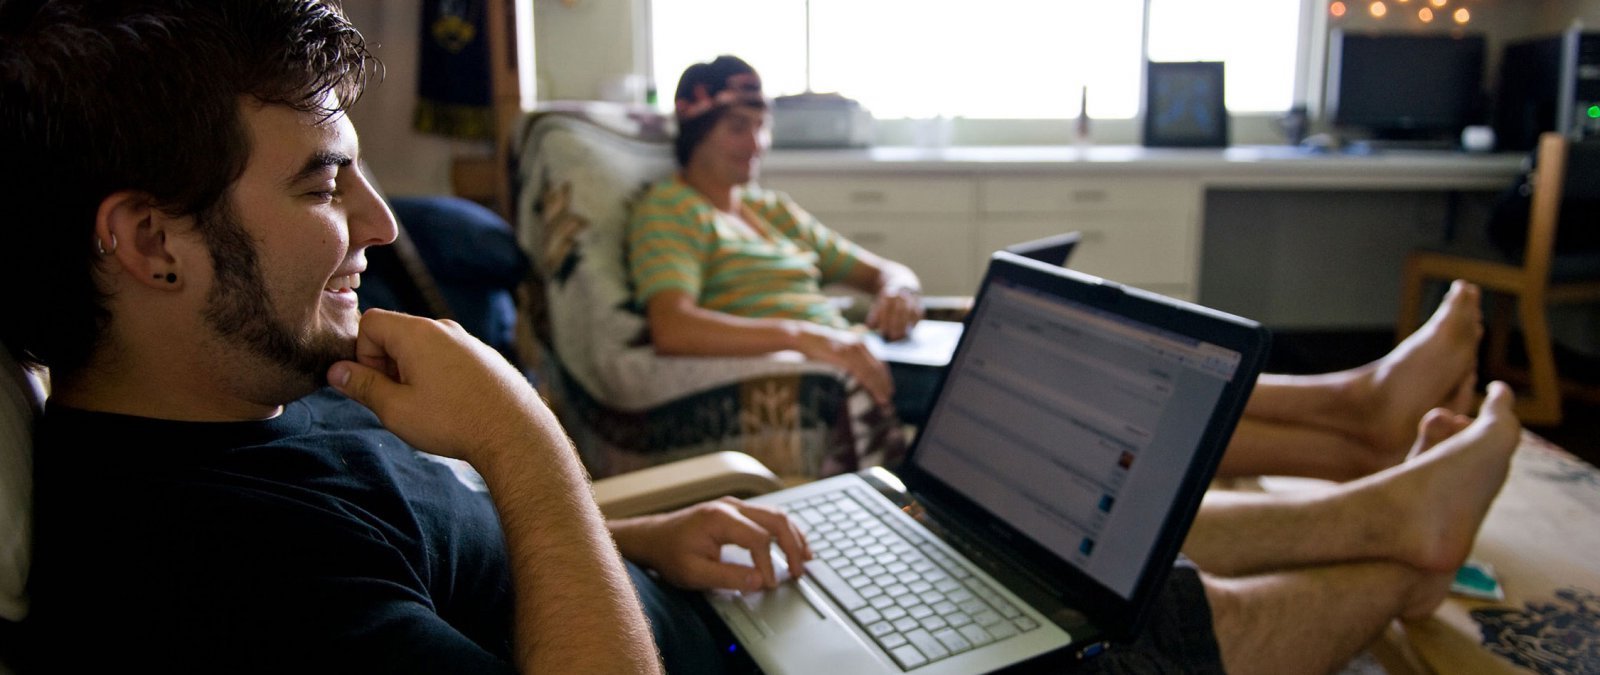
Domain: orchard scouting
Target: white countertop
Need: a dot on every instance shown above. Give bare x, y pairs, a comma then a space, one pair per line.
1249, 166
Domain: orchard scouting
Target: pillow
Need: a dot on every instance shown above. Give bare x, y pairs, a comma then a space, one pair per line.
21, 399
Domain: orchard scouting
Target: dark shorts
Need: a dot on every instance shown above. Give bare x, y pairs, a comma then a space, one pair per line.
1179, 637
688, 634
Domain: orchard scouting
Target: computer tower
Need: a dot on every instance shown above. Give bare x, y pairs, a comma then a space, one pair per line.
1549, 83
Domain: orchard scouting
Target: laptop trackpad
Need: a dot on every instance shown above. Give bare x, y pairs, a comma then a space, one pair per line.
794, 618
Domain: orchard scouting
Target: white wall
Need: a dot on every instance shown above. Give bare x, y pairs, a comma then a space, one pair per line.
1555, 15
580, 48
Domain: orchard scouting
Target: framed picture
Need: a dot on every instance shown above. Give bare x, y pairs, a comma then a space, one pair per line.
1184, 107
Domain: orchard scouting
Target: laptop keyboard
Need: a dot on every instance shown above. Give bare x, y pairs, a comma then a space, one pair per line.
918, 603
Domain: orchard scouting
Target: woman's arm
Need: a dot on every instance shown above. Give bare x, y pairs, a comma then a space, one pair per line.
680, 327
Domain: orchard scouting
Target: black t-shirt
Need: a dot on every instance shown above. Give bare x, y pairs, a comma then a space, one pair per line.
316, 541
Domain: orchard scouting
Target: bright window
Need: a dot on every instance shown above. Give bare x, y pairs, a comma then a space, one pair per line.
1257, 39
1002, 59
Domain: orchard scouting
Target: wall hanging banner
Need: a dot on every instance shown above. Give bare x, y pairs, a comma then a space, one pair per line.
453, 81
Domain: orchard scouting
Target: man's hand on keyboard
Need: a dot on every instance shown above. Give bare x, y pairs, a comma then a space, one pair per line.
685, 546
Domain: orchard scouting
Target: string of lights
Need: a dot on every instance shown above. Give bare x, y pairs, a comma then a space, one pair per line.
1427, 11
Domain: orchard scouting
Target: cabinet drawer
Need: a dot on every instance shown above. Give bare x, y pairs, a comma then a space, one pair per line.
847, 194
1144, 249
1052, 195
936, 248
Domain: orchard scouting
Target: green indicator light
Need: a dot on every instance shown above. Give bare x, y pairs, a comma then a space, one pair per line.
1594, 111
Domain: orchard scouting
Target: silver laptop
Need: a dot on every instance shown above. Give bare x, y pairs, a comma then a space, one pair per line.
1042, 505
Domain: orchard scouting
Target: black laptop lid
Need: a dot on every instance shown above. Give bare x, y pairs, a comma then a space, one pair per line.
1078, 427
1055, 250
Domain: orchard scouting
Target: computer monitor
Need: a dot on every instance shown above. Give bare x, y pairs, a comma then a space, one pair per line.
1405, 86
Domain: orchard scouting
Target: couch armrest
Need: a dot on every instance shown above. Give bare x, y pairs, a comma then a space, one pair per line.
684, 482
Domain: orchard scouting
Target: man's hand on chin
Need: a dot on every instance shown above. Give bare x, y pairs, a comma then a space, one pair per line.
439, 388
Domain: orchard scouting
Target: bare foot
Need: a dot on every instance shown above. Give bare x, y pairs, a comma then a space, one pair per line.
1466, 396
1435, 366
1440, 496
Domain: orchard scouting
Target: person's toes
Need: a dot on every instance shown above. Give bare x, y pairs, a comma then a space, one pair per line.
1498, 402
1438, 424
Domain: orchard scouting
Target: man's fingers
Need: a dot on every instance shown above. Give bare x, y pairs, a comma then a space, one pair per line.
737, 529
702, 572
392, 337
363, 384
377, 340
790, 539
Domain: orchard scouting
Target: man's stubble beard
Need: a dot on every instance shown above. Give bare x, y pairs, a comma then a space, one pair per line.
239, 309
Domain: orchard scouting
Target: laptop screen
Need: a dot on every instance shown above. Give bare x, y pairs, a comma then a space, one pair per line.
1074, 425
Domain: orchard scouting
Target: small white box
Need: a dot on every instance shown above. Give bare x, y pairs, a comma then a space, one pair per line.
820, 121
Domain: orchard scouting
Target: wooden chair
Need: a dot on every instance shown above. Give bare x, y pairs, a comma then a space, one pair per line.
1565, 171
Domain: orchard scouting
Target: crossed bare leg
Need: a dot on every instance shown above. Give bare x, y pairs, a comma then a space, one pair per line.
1351, 423
1356, 555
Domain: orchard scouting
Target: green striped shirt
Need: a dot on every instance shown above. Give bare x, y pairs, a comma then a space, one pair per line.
678, 241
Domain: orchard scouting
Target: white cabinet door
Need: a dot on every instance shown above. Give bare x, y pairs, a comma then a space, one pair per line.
925, 222
1142, 250
879, 195
935, 247
1139, 231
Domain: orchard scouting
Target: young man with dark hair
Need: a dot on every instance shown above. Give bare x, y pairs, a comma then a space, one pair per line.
188, 228
187, 197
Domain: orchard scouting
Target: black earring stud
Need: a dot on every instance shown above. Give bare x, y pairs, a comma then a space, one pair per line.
172, 278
